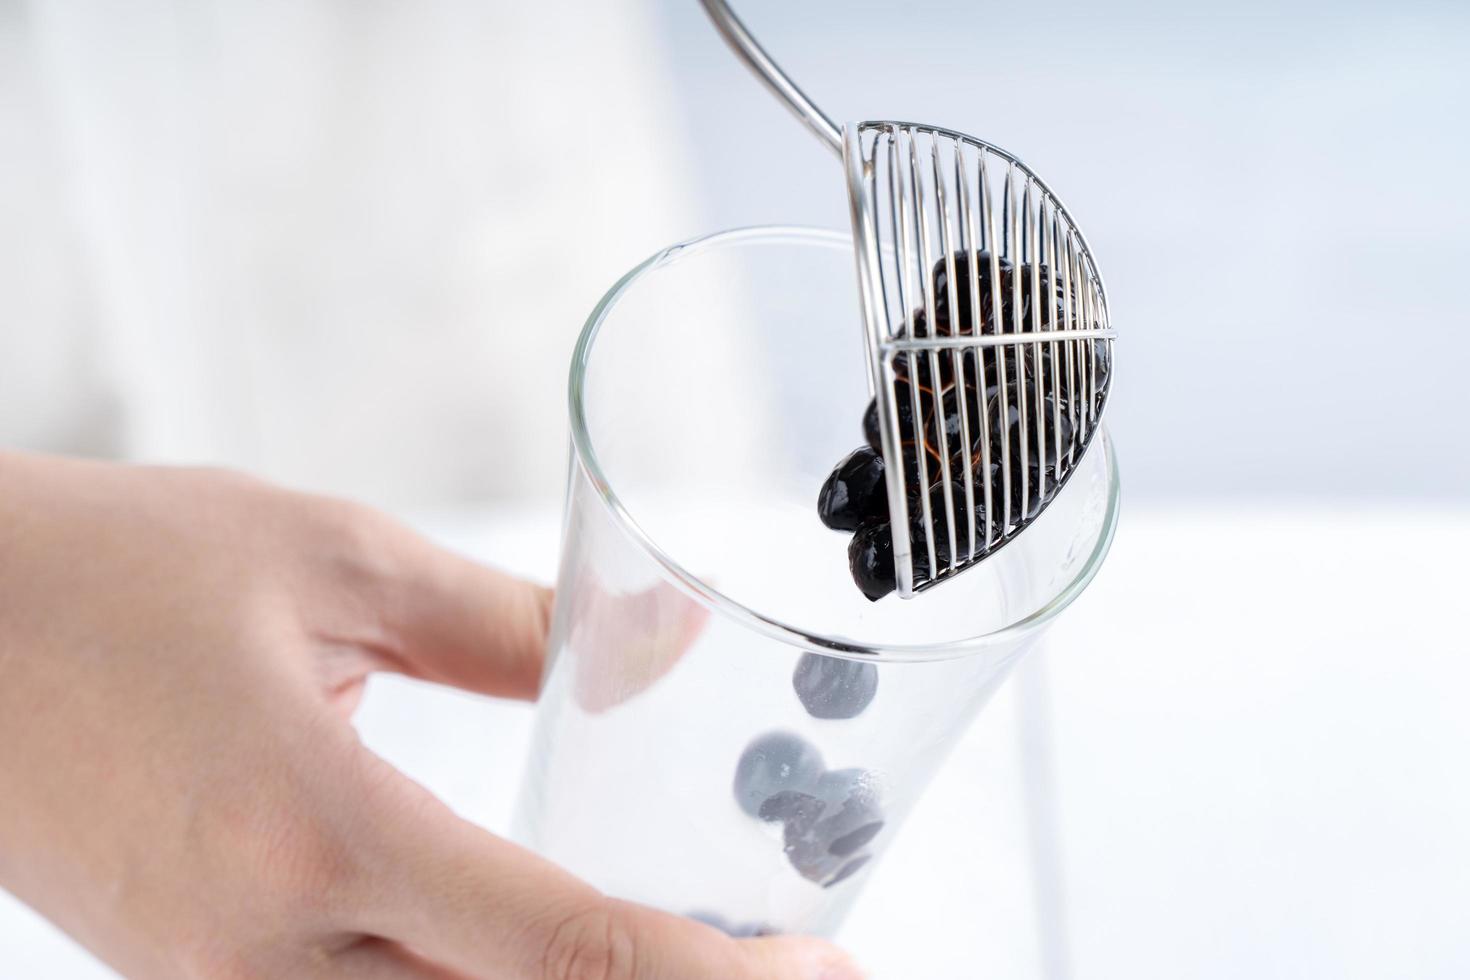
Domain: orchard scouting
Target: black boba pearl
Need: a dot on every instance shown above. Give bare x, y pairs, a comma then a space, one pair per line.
853, 814
854, 840
1014, 285
836, 787
1050, 304
851, 827
1053, 297
939, 517
799, 813
849, 869
953, 420
904, 407
871, 426
919, 372
1005, 424
870, 557
918, 536
946, 322
1059, 431
985, 365
870, 553
1013, 364
954, 431
908, 366
827, 824
808, 854
805, 846
1041, 487
905, 410
833, 688
991, 382
959, 408
1102, 366
1037, 360
792, 806
966, 374
855, 494
909, 433
774, 762
923, 362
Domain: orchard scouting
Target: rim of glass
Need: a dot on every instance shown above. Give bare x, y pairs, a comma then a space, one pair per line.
585, 455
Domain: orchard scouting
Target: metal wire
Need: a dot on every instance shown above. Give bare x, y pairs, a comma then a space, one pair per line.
1046, 310
745, 45
915, 212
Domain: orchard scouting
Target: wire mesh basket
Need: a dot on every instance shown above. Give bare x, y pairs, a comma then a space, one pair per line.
989, 344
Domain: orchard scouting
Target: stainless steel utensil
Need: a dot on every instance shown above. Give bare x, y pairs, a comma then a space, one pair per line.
1030, 370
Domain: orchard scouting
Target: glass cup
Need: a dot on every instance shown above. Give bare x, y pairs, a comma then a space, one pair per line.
727, 728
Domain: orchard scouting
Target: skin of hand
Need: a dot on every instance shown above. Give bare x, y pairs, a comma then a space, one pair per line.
180, 789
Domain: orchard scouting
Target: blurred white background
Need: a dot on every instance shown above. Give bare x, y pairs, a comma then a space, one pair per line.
348, 246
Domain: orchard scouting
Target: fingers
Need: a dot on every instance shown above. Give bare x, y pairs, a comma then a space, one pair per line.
485, 907
628, 942
637, 638
454, 621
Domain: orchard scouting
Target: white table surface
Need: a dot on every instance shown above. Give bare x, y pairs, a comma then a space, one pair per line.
1245, 752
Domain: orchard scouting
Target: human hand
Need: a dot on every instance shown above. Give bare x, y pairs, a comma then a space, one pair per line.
179, 786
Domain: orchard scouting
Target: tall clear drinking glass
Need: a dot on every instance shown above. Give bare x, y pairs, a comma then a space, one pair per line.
727, 727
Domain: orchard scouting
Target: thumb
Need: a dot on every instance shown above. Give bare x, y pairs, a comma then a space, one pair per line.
485, 907
612, 940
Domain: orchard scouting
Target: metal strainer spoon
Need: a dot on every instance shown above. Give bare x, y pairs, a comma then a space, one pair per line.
987, 333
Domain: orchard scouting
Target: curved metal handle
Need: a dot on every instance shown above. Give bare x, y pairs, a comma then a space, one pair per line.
768, 71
